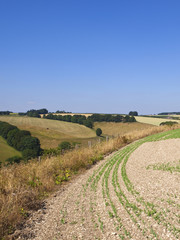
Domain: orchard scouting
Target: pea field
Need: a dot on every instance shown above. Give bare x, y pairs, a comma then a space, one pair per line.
132, 194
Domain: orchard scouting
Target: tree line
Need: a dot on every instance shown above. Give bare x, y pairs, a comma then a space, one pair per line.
80, 119
5, 112
111, 118
34, 113
169, 113
88, 122
21, 140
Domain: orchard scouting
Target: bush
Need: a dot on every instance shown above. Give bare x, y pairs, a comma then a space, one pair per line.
168, 123
65, 145
98, 131
5, 128
29, 153
133, 113
12, 160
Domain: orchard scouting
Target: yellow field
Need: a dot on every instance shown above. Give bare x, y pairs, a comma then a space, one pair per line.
51, 132
153, 121
115, 129
6, 151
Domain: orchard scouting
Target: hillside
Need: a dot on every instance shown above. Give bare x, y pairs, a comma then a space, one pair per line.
51, 132
6, 151
152, 120
115, 129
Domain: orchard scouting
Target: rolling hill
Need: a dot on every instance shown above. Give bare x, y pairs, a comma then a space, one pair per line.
51, 132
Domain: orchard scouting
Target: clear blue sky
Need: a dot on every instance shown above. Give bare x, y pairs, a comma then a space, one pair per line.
106, 56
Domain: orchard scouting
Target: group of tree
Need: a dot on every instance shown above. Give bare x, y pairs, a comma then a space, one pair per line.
169, 113
34, 113
88, 122
133, 113
62, 111
111, 118
5, 112
21, 140
80, 119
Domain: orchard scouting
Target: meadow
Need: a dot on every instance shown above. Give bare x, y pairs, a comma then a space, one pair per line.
6, 151
152, 120
52, 132
115, 129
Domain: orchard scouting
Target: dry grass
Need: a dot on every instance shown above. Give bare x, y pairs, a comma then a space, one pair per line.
115, 129
51, 132
153, 121
23, 186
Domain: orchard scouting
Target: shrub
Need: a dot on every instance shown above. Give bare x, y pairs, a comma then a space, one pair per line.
12, 160
133, 113
29, 153
98, 131
168, 123
65, 145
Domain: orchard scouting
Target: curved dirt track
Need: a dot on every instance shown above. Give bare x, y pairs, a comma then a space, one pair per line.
122, 197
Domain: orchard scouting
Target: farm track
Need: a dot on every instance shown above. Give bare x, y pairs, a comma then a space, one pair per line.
107, 202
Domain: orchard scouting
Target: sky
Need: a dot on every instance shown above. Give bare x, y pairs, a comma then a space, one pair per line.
90, 56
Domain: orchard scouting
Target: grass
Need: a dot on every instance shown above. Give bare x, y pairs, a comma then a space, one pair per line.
52, 132
115, 129
6, 151
24, 186
153, 121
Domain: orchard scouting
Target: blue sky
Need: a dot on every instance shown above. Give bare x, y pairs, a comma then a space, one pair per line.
106, 56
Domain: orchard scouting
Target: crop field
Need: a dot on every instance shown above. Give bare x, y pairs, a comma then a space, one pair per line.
133, 194
51, 132
153, 121
115, 129
6, 151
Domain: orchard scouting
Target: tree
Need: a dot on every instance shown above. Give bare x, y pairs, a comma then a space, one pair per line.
88, 123
133, 113
98, 131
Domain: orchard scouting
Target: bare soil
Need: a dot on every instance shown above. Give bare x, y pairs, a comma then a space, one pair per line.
96, 205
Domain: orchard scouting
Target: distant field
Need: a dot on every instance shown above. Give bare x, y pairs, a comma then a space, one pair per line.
6, 151
51, 132
111, 128
153, 121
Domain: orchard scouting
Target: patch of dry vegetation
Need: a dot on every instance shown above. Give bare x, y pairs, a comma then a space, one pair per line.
153, 120
115, 129
23, 186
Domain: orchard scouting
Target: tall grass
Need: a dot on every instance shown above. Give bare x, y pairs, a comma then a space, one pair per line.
23, 186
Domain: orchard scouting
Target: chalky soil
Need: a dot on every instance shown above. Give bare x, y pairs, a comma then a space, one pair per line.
122, 197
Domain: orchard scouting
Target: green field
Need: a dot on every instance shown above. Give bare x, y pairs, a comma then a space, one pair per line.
153, 120
52, 132
6, 151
